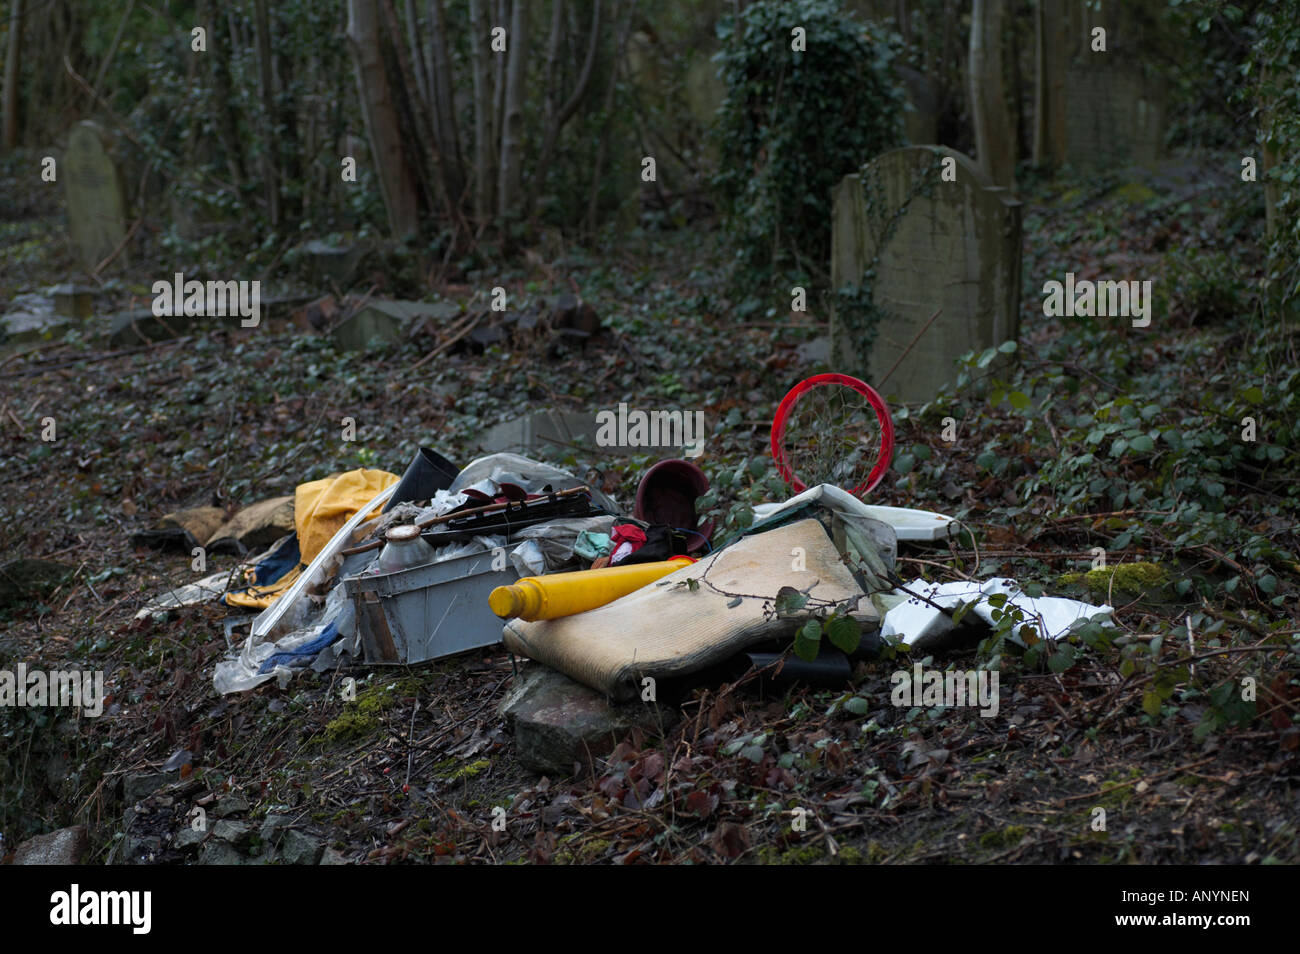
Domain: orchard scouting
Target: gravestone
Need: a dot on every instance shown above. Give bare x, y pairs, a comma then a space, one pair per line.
557, 430
96, 204
335, 262
380, 322
704, 88
1114, 101
921, 117
932, 244
31, 320
73, 301
1114, 113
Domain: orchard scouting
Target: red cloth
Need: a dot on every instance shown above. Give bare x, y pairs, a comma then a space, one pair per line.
628, 538
628, 533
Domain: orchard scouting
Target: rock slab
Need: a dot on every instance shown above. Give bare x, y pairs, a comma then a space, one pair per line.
67, 846
558, 722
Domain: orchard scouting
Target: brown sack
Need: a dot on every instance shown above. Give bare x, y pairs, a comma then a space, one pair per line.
255, 527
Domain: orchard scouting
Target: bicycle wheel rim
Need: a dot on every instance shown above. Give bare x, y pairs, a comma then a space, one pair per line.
786, 407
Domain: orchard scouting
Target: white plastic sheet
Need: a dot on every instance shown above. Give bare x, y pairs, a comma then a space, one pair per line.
240, 672
920, 625
908, 524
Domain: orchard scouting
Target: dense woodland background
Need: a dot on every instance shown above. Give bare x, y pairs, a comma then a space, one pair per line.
469, 153
524, 169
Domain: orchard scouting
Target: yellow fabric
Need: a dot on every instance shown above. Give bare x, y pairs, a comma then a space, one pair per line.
320, 508
260, 597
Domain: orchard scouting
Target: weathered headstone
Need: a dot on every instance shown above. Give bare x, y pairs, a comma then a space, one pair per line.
930, 244
73, 301
704, 88
1114, 99
921, 117
30, 320
96, 203
1114, 113
335, 262
378, 323
126, 329
556, 430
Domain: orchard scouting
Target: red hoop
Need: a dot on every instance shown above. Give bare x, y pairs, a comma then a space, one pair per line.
882, 415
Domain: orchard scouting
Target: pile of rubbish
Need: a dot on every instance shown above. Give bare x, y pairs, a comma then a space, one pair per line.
377, 569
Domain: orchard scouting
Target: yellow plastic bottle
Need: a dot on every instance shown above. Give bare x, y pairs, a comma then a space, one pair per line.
563, 594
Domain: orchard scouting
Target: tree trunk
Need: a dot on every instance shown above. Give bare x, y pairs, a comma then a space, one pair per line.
552, 90
1268, 157
602, 150
483, 100
552, 63
512, 126
413, 121
288, 146
269, 175
557, 119
396, 181
98, 85
12, 76
995, 146
499, 104
227, 122
443, 91
1049, 84
423, 74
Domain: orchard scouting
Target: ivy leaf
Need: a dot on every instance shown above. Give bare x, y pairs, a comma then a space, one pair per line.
1062, 659
808, 640
960, 612
1019, 400
789, 600
1151, 702
845, 634
857, 705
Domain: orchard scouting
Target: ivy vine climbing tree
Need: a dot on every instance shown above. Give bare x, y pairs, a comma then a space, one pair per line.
1276, 63
810, 97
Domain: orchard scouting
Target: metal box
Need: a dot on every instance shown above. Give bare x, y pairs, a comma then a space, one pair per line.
430, 611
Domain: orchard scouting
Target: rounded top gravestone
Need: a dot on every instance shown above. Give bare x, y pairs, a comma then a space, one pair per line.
96, 204
938, 236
